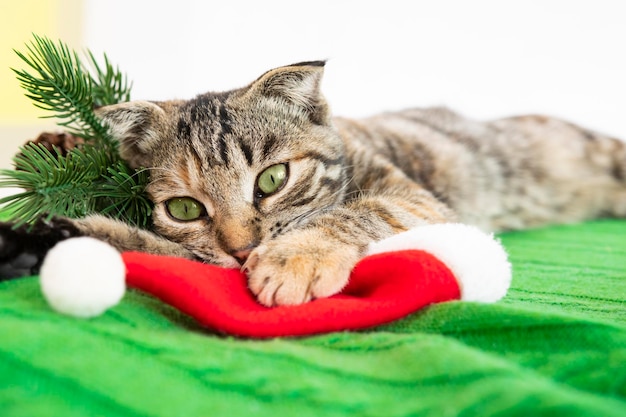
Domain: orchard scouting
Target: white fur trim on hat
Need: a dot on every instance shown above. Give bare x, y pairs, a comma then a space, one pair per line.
477, 260
83, 277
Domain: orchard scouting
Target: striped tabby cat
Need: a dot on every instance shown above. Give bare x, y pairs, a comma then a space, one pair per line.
262, 178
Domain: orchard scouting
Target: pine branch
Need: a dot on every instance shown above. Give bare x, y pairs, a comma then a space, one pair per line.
122, 195
54, 185
91, 178
59, 83
110, 86
83, 182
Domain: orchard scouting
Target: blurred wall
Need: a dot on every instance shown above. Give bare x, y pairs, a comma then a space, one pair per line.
19, 119
486, 58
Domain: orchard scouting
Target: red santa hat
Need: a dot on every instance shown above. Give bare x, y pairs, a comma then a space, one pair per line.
83, 277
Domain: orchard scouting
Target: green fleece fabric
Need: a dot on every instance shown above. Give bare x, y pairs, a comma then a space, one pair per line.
555, 346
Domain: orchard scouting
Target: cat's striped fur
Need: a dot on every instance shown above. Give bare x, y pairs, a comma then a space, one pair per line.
349, 182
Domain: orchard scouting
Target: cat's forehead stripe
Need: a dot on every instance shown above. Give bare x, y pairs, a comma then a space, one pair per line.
225, 130
183, 129
247, 151
269, 146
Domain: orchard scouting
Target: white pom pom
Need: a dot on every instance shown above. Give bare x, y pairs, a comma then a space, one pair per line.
83, 277
477, 260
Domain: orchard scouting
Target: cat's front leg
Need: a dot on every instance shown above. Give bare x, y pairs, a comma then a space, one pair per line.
23, 249
301, 265
125, 237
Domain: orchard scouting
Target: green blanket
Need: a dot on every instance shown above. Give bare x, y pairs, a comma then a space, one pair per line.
555, 346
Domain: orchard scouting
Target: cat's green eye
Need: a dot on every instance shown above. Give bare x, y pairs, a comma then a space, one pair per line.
272, 179
184, 208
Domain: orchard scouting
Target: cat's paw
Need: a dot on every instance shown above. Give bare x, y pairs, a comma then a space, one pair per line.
298, 267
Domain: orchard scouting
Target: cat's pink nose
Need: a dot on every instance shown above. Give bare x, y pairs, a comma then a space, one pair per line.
242, 254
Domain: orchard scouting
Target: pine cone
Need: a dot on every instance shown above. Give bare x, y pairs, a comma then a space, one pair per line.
59, 143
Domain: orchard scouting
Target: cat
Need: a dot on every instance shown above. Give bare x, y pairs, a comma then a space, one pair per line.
263, 178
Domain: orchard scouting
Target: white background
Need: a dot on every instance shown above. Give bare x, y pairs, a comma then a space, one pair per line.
485, 58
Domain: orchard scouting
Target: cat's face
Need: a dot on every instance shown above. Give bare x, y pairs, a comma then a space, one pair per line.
232, 170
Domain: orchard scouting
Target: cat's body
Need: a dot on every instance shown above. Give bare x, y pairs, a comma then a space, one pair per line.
263, 178
505, 174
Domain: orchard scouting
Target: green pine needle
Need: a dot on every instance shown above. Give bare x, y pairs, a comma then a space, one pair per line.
110, 86
91, 178
59, 83
53, 185
122, 195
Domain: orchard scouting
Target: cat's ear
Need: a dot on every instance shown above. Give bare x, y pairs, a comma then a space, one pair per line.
138, 126
297, 85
